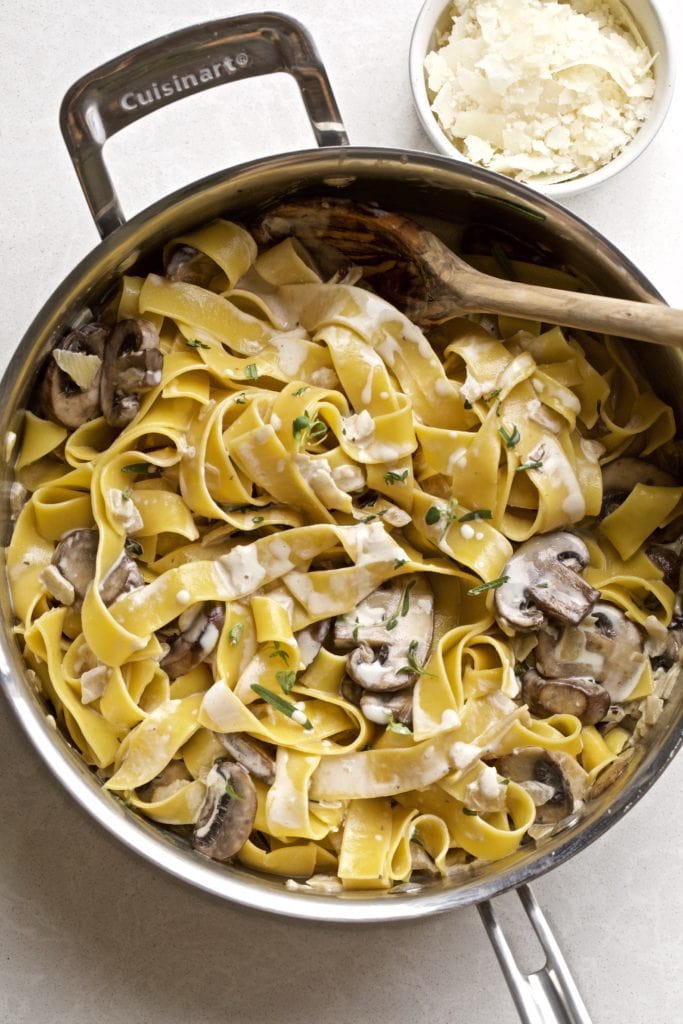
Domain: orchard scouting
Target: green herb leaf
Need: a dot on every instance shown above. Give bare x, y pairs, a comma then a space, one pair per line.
283, 706
307, 431
258, 519
405, 603
138, 468
511, 439
467, 405
280, 653
433, 515
528, 465
240, 399
470, 813
491, 585
232, 792
300, 425
132, 547
413, 664
398, 562
126, 495
395, 478
251, 371
493, 395
300, 391
286, 679
196, 343
317, 431
235, 633
398, 727
479, 513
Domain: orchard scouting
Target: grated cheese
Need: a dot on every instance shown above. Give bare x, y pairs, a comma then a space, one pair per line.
540, 90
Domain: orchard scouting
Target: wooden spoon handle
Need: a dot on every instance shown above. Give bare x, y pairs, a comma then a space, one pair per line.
646, 321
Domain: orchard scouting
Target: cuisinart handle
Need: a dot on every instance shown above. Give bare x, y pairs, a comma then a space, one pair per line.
181, 64
548, 996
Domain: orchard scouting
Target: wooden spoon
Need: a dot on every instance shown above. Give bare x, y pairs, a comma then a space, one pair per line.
416, 272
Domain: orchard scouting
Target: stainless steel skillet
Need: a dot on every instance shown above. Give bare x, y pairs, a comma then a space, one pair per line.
445, 194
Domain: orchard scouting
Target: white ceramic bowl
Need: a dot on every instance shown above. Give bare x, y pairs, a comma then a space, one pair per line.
433, 19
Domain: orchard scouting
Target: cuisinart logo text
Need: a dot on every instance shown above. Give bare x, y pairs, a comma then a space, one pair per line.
176, 84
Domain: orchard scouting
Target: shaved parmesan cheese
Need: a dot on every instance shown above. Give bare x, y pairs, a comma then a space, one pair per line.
82, 367
540, 90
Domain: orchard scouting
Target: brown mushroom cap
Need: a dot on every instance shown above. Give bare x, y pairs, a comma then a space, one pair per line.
624, 474
187, 264
132, 365
391, 631
383, 708
535, 764
606, 647
123, 577
310, 640
60, 397
75, 558
200, 632
584, 698
669, 562
367, 623
608, 776
250, 754
543, 581
621, 476
173, 776
228, 812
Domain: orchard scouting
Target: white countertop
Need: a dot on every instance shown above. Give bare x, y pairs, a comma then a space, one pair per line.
90, 933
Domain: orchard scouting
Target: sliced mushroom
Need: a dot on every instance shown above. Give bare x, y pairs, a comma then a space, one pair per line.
228, 812
421, 861
367, 622
200, 629
250, 754
608, 776
393, 635
310, 640
185, 263
537, 765
669, 562
670, 653
606, 647
584, 698
75, 558
671, 533
351, 691
70, 389
174, 776
132, 365
543, 580
621, 476
383, 708
123, 577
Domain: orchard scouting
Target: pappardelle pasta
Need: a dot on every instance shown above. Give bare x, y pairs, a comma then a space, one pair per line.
342, 600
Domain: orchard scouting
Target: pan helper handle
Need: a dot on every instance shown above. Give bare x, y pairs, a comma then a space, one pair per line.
180, 64
548, 996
